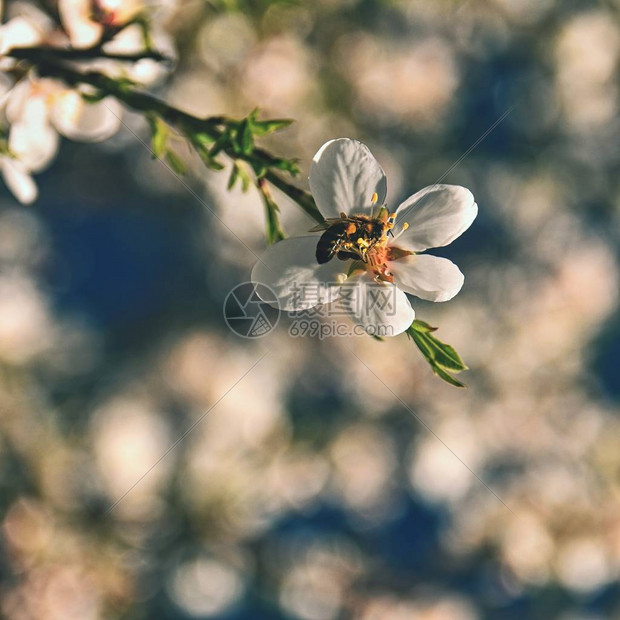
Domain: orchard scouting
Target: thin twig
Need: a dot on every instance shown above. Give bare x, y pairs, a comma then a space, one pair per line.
50, 64
91, 53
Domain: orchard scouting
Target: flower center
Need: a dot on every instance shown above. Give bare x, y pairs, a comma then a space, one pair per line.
368, 247
379, 258
362, 237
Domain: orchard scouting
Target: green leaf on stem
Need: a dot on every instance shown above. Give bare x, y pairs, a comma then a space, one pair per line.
245, 139
421, 326
234, 175
213, 164
288, 165
262, 128
445, 355
442, 358
260, 169
220, 144
274, 230
94, 97
159, 136
447, 377
239, 172
202, 139
205, 151
124, 84
244, 175
175, 162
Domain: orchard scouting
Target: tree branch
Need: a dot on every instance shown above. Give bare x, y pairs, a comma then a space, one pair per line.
200, 131
91, 53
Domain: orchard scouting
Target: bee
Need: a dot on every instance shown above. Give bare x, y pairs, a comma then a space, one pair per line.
351, 236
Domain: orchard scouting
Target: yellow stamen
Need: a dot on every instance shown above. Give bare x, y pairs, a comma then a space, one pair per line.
405, 226
374, 198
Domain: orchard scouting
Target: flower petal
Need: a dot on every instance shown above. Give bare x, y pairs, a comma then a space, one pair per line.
19, 32
290, 269
75, 16
18, 180
344, 176
427, 277
17, 101
436, 215
89, 122
6, 84
34, 144
379, 307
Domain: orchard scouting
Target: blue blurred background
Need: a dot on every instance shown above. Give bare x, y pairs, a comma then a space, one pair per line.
308, 490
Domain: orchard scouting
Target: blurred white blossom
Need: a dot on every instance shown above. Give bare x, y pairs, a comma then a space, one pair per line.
36, 110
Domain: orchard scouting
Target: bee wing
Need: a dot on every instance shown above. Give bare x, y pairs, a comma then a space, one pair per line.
330, 221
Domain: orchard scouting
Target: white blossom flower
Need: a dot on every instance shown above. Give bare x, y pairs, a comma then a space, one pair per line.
18, 179
86, 21
76, 17
348, 184
38, 110
19, 32
26, 26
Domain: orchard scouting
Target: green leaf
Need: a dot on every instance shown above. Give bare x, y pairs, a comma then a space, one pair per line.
220, 144
245, 137
447, 377
213, 164
206, 154
159, 137
288, 165
421, 326
446, 355
94, 97
426, 350
274, 230
234, 175
202, 139
244, 175
442, 358
124, 84
262, 128
175, 162
260, 170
